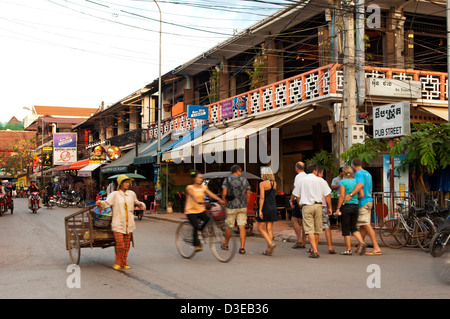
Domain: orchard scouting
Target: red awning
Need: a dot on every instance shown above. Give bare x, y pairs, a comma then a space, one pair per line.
79, 164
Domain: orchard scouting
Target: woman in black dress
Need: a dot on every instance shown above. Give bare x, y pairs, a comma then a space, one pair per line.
267, 208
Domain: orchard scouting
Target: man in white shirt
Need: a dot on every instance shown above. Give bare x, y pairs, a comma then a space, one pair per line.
296, 217
309, 193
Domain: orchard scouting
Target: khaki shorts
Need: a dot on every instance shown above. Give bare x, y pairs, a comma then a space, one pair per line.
312, 218
236, 215
364, 214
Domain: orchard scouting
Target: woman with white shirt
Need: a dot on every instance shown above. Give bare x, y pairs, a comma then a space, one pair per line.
122, 201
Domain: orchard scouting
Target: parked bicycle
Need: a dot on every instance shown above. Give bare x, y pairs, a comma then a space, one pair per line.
407, 229
214, 232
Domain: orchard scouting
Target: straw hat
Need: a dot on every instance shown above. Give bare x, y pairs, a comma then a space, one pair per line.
122, 178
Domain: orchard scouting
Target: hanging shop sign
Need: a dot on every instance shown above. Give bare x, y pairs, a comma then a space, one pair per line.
240, 103
394, 88
98, 153
391, 120
226, 110
197, 112
113, 153
64, 148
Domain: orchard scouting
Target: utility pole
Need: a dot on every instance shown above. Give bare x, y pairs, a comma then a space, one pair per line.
349, 66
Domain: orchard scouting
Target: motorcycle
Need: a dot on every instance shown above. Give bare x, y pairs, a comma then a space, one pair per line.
35, 199
3, 204
50, 202
72, 199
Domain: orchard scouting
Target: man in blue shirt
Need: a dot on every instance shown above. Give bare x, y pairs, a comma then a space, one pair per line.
364, 182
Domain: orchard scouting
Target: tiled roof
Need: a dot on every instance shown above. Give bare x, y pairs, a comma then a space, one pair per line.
8, 138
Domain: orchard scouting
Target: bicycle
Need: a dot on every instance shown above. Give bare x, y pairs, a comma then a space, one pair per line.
397, 233
214, 231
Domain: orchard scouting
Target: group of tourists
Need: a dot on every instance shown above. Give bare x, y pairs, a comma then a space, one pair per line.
310, 202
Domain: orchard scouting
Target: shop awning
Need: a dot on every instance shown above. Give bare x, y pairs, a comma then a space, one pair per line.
184, 147
87, 170
120, 165
441, 112
148, 155
235, 139
63, 167
79, 164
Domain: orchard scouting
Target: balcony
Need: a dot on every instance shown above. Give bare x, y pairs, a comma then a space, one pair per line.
324, 83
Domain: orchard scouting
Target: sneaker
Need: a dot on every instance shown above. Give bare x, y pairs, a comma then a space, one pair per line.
117, 267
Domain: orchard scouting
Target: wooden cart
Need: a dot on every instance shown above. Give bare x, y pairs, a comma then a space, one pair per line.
81, 233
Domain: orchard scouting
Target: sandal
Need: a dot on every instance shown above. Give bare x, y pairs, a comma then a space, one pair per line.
314, 255
373, 253
270, 249
241, 250
347, 253
361, 249
224, 247
332, 251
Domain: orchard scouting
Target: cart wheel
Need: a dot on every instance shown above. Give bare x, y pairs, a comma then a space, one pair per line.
74, 247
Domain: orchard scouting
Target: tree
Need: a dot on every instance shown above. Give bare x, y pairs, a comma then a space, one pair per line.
427, 147
18, 159
325, 160
366, 151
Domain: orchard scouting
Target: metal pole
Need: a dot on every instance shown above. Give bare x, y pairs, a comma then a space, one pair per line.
158, 160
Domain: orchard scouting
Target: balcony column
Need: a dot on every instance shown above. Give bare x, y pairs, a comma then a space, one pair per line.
224, 80
395, 38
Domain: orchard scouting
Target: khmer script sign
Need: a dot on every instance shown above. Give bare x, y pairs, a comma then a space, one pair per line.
391, 120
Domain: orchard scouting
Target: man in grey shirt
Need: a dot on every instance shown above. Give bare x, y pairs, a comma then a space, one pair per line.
236, 192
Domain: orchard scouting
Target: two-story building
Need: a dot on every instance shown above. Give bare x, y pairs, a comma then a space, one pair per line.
299, 74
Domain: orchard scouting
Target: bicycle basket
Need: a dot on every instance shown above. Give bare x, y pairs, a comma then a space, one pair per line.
218, 212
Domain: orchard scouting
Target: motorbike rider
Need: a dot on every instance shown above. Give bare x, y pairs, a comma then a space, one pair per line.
32, 189
48, 192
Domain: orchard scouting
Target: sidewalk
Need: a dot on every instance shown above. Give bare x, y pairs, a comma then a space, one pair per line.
281, 229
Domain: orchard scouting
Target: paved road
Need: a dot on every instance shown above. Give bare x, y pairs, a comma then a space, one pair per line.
34, 264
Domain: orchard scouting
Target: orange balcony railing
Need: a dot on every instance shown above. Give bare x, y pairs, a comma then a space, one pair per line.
323, 82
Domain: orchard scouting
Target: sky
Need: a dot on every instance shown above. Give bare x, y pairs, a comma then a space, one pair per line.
80, 53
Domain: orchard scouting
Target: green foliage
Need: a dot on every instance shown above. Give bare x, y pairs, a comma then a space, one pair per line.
214, 86
427, 147
324, 160
256, 74
366, 151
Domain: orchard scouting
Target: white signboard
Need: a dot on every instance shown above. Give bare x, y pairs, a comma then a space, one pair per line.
394, 88
391, 120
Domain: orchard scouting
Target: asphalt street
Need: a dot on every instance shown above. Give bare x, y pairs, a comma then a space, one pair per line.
34, 263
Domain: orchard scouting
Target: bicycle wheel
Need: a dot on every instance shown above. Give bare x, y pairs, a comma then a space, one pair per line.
217, 242
438, 244
393, 234
424, 231
184, 239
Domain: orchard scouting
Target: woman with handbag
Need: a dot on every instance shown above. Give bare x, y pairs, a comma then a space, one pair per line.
122, 201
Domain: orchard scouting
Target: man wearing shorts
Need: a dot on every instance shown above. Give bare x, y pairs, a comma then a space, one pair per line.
296, 218
238, 188
311, 190
364, 182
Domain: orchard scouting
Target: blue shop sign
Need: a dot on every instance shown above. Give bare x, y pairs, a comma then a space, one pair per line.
197, 112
